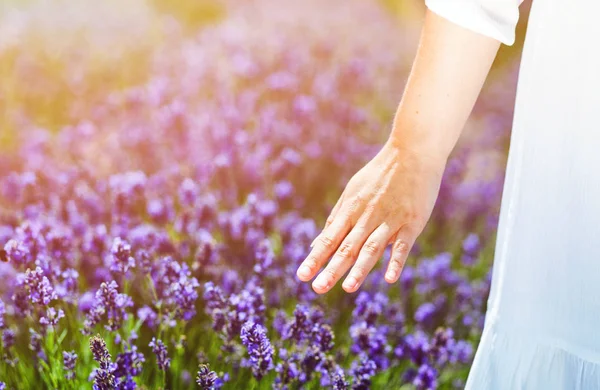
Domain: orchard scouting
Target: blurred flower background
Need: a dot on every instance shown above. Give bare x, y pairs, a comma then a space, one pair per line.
164, 167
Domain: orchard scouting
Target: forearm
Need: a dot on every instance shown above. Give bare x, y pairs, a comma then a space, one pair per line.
448, 73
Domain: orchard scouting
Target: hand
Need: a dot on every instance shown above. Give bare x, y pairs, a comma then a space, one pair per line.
388, 201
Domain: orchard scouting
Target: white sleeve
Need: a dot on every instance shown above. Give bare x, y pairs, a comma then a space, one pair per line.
494, 18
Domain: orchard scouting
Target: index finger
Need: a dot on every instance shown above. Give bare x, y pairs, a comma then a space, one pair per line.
326, 244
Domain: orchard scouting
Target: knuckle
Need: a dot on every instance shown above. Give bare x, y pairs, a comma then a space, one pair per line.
330, 273
326, 241
372, 247
346, 251
354, 204
401, 249
329, 220
370, 210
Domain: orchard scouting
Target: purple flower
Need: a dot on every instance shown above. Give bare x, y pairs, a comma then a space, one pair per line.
311, 363
471, 244
206, 378
323, 336
128, 363
339, 383
17, 252
2, 313
425, 313
259, 347
301, 324
8, 338
287, 372
52, 316
35, 344
102, 377
103, 380
69, 362
162, 355
177, 288
121, 260
369, 307
362, 370
462, 352
38, 286
99, 351
110, 304
188, 192
425, 378
147, 315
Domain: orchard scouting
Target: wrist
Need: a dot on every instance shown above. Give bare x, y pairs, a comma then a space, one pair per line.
430, 155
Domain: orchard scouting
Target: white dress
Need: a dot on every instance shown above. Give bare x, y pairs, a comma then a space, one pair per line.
542, 327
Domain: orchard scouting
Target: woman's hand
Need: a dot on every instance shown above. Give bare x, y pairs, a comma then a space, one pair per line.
388, 201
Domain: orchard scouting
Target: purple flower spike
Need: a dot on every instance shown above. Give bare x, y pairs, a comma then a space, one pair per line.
8, 338
206, 378
121, 260
2, 312
103, 377
99, 351
38, 286
52, 317
16, 252
162, 355
69, 362
259, 347
362, 371
426, 378
110, 304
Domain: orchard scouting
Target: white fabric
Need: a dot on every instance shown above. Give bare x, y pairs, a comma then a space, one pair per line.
542, 327
494, 18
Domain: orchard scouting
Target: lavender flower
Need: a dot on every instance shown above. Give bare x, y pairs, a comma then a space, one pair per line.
38, 286
362, 370
129, 363
425, 378
108, 304
259, 348
35, 344
50, 320
206, 378
99, 351
8, 338
162, 355
121, 259
102, 377
16, 252
2, 313
69, 362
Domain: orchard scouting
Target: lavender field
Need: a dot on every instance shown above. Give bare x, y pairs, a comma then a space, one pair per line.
164, 169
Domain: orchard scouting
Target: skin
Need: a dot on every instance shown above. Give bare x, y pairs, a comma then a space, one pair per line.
390, 200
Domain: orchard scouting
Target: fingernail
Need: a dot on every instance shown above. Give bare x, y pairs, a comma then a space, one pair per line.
391, 274
321, 283
350, 283
304, 272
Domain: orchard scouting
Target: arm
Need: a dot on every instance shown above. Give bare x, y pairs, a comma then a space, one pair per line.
448, 73
391, 198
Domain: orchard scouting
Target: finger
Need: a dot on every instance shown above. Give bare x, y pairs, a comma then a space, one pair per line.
370, 252
331, 217
327, 242
345, 256
400, 249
